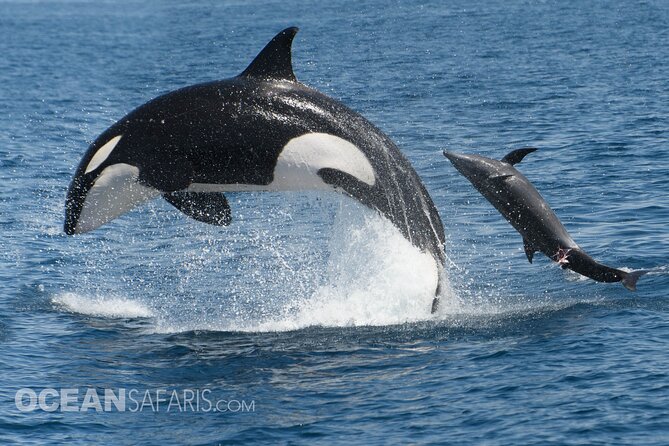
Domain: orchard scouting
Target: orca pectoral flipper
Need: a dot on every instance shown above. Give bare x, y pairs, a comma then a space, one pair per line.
207, 207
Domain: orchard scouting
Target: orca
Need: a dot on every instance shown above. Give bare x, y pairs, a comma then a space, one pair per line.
522, 205
259, 131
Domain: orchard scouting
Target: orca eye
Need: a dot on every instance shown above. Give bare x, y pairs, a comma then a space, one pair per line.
102, 154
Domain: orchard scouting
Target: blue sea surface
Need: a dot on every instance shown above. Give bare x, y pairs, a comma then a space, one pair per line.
307, 320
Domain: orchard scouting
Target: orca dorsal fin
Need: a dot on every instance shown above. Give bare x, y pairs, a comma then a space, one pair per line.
274, 62
517, 155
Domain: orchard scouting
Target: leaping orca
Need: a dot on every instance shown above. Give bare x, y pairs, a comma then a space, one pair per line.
259, 131
522, 205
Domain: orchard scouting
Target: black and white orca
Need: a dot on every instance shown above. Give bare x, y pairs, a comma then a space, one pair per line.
514, 196
259, 131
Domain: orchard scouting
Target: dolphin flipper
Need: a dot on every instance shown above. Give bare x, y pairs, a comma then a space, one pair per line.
529, 249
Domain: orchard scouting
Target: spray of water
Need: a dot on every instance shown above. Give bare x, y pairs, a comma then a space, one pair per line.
373, 276
108, 306
311, 261
284, 275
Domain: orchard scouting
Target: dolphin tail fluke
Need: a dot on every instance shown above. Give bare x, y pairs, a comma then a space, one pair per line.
630, 278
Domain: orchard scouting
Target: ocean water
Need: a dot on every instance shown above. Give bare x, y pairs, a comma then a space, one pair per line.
307, 320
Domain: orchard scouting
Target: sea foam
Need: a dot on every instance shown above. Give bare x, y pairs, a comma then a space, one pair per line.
100, 306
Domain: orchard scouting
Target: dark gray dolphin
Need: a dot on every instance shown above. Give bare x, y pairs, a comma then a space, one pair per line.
521, 204
259, 131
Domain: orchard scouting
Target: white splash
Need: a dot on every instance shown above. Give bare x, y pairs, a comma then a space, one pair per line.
360, 271
111, 307
374, 277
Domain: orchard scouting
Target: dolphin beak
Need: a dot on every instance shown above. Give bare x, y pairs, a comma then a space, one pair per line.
455, 158
450, 155
463, 164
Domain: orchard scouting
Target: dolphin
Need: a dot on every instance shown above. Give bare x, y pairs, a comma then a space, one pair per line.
259, 131
523, 206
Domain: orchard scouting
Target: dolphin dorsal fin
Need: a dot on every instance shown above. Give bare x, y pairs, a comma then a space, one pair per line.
517, 155
274, 61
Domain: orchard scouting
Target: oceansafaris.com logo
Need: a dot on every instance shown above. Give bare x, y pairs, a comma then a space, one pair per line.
128, 400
